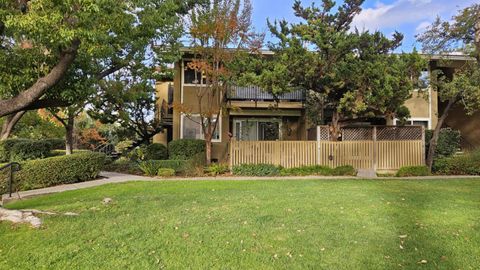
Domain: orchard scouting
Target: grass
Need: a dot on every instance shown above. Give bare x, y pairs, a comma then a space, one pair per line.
342, 224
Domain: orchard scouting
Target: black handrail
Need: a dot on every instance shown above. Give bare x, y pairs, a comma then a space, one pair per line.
14, 167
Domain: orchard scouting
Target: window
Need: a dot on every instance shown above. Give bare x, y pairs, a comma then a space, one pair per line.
190, 76
257, 129
416, 122
192, 129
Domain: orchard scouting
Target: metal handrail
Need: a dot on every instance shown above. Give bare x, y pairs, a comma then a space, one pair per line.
14, 167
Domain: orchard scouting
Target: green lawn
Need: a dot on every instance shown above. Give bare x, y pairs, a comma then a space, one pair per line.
342, 224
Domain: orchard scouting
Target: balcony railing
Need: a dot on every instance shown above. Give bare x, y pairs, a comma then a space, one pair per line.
254, 93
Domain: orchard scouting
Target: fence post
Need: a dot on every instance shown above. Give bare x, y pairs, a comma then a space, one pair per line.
375, 149
319, 137
423, 147
231, 153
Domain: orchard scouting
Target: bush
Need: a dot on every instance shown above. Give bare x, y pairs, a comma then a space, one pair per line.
307, 170
217, 169
185, 149
59, 170
156, 151
448, 142
166, 172
256, 170
409, 171
178, 166
124, 166
56, 144
29, 150
468, 164
122, 146
344, 171
6, 146
149, 167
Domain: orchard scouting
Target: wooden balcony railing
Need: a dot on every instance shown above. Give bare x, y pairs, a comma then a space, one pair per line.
254, 93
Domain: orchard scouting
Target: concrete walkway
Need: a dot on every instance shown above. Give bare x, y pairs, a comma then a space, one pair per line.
112, 178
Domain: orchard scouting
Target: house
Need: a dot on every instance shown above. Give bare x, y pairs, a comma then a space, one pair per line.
254, 115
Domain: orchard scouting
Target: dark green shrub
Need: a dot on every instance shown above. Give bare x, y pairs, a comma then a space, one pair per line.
177, 165
29, 150
56, 144
6, 146
468, 164
123, 166
185, 149
448, 142
156, 151
344, 171
166, 172
59, 170
409, 171
217, 169
307, 170
256, 170
149, 167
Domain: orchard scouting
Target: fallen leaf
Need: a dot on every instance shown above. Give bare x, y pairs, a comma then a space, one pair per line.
422, 262
403, 236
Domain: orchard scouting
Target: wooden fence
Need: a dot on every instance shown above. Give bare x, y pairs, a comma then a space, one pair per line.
377, 155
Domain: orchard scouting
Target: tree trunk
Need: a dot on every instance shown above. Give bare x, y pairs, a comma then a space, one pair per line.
335, 127
9, 124
39, 88
208, 152
69, 134
433, 142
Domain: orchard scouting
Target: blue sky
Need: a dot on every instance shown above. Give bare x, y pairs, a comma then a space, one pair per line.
406, 16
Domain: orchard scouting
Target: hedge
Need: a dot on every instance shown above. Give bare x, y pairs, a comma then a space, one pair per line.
56, 144
410, 171
468, 164
256, 170
6, 147
448, 142
166, 172
29, 150
185, 149
156, 151
59, 170
123, 165
319, 170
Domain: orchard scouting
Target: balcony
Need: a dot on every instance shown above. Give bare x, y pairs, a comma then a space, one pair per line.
256, 94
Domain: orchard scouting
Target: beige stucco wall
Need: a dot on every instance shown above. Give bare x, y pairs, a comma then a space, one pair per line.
419, 106
162, 94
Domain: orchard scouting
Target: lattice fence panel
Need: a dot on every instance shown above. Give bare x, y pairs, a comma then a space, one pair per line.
324, 133
405, 133
357, 134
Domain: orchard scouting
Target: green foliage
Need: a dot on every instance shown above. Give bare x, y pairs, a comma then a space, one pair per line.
344, 171
149, 167
319, 170
6, 147
122, 146
29, 150
448, 142
468, 164
256, 170
55, 143
217, 169
410, 171
156, 151
184, 149
166, 172
59, 170
32, 126
307, 170
123, 166
178, 165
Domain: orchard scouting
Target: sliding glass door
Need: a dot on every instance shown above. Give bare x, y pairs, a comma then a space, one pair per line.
257, 129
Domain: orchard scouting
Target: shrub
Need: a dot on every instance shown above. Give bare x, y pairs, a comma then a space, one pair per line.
177, 165
413, 171
217, 169
166, 172
185, 149
344, 171
448, 142
149, 167
123, 166
122, 146
468, 164
256, 170
6, 146
56, 144
156, 151
59, 170
29, 150
307, 170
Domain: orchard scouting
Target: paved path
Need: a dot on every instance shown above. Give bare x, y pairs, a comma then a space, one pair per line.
111, 177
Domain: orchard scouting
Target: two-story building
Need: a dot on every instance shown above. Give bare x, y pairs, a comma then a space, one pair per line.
255, 115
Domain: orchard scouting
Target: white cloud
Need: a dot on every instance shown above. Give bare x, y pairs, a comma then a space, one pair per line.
398, 13
422, 27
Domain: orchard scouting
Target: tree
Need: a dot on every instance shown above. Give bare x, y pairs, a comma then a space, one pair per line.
219, 30
109, 35
461, 34
352, 73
